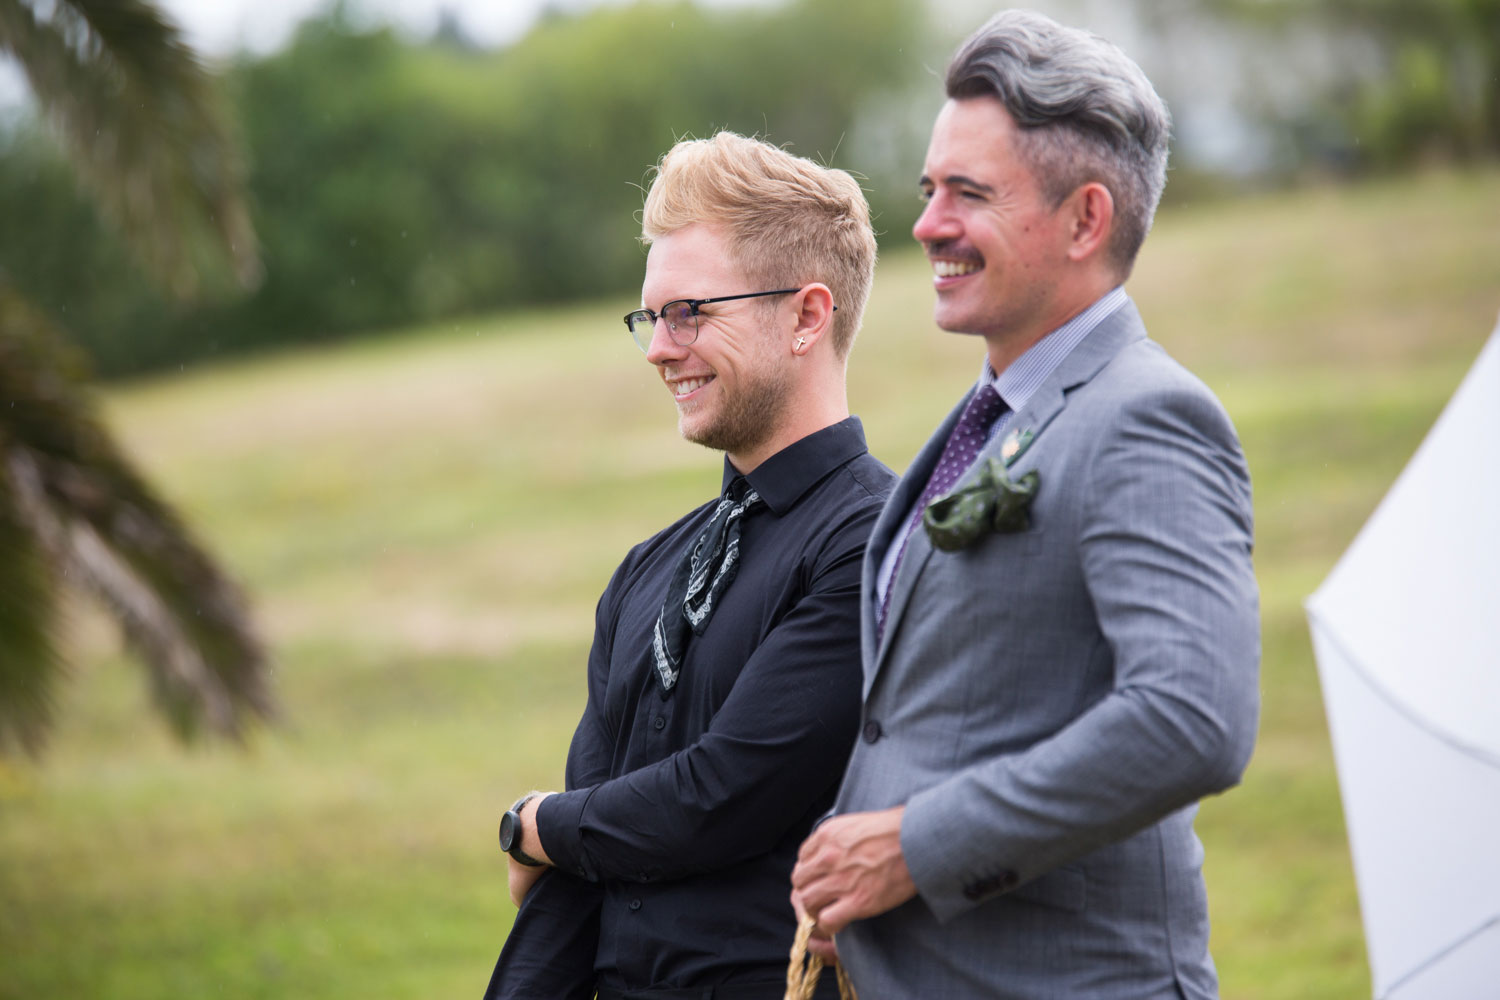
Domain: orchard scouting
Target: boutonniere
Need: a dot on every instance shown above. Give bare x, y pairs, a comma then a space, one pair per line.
992, 502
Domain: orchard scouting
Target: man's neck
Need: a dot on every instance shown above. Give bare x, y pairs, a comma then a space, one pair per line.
1006, 346
825, 413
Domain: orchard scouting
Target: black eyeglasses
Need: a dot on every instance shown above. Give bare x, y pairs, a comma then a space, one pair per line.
682, 318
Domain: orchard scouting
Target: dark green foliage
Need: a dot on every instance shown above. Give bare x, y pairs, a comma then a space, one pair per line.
141, 129
29, 663
73, 509
394, 182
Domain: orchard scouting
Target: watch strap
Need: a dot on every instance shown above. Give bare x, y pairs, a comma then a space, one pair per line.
515, 848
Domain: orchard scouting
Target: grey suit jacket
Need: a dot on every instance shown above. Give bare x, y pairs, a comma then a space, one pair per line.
1050, 705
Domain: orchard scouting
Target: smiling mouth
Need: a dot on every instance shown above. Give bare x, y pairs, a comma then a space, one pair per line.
684, 387
953, 268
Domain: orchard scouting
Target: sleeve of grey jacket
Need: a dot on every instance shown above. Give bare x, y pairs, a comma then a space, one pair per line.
1164, 544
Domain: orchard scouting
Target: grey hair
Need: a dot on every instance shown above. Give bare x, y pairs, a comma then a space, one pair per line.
1085, 110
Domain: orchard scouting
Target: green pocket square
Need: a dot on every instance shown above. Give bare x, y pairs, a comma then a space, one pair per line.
993, 502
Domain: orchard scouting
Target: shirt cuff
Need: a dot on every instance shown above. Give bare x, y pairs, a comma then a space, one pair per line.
559, 822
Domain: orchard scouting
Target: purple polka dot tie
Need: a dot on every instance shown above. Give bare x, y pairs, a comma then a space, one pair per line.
964, 445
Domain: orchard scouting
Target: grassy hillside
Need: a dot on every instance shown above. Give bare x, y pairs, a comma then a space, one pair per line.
426, 521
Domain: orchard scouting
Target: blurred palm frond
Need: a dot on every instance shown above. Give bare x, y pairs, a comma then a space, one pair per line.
141, 125
73, 510
143, 128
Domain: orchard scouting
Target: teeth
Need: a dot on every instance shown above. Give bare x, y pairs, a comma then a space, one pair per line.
687, 385
952, 268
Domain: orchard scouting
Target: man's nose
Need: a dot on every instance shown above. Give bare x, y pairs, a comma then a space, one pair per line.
936, 223
663, 348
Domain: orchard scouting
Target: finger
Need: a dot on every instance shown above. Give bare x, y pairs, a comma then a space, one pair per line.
824, 948
813, 843
814, 865
815, 896
837, 915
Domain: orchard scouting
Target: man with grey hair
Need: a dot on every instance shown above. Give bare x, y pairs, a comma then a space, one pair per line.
1060, 624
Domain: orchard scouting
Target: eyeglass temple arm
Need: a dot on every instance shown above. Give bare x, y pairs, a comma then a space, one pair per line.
695, 303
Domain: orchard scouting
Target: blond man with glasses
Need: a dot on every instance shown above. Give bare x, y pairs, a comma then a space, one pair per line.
724, 678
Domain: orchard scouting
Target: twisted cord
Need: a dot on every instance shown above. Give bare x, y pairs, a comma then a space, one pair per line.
803, 970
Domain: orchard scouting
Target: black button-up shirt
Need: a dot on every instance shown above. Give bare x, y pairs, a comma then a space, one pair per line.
675, 841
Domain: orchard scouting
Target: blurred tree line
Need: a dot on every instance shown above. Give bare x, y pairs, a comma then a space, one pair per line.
1372, 84
393, 181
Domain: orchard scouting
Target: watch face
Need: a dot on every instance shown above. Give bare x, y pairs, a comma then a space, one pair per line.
508, 826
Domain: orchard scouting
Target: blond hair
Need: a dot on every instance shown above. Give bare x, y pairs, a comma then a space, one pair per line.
789, 221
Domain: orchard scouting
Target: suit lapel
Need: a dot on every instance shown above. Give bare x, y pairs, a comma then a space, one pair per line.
1120, 328
887, 531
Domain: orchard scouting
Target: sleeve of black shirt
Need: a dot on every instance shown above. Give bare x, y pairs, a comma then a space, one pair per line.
550, 952
777, 745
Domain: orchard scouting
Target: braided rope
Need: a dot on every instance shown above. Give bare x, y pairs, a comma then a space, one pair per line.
803, 970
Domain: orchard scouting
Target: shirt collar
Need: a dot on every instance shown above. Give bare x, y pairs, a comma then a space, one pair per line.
1025, 375
782, 479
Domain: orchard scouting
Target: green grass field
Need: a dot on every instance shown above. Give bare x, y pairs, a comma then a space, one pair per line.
426, 520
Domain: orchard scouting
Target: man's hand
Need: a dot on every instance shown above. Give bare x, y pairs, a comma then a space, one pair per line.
521, 878
850, 868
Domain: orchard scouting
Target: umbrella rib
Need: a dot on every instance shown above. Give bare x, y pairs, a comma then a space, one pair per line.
1479, 754
1438, 955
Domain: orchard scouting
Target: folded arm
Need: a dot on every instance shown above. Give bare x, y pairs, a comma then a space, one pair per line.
775, 747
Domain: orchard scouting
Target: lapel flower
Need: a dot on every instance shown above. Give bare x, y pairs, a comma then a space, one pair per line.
992, 502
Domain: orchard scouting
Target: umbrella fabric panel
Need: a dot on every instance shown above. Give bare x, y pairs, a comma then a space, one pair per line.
1422, 817
1416, 599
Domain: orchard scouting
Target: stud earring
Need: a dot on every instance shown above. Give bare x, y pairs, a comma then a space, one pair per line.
801, 342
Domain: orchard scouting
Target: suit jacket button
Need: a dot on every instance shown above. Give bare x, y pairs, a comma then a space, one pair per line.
635, 904
873, 731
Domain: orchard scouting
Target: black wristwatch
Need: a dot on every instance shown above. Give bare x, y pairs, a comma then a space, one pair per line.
510, 833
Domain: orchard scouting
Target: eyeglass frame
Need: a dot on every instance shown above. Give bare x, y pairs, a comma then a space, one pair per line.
652, 316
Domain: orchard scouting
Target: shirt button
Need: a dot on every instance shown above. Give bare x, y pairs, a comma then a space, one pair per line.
873, 731
659, 722
635, 904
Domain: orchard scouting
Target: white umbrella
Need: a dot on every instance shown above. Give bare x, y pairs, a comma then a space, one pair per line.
1407, 634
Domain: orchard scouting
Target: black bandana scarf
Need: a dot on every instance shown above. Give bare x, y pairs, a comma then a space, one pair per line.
705, 572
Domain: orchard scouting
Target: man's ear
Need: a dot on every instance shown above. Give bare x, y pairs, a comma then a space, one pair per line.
814, 319
1090, 213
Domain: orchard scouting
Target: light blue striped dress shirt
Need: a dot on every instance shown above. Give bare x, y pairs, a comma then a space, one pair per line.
1016, 385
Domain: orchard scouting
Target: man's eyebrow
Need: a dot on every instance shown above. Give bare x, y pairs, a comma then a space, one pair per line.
957, 180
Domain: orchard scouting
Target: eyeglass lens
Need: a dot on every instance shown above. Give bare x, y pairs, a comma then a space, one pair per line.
682, 324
